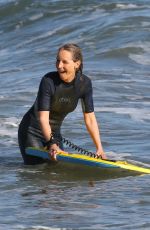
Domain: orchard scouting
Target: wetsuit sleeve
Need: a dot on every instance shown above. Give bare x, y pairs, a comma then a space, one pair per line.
44, 95
87, 99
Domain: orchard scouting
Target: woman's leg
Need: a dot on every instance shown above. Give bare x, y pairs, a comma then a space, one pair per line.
25, 140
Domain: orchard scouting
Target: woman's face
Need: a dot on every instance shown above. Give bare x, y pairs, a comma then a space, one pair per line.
65, 65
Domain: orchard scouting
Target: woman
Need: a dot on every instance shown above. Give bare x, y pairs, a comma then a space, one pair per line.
58, 95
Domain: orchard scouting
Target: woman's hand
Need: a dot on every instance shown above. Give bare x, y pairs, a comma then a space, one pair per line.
101, 154
54, 150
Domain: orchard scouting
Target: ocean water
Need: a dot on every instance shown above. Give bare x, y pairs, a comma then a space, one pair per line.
115, 39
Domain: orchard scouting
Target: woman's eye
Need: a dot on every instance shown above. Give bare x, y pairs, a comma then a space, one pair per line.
63, 61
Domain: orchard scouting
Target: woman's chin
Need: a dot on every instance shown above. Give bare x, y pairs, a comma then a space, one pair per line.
63, 77
66, 78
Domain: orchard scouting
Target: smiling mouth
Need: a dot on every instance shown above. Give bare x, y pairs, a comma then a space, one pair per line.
61, 71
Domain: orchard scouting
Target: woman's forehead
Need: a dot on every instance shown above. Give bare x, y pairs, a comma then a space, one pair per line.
64, 54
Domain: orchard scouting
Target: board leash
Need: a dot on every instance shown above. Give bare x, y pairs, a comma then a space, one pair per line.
81, 150
77, 148
58, 138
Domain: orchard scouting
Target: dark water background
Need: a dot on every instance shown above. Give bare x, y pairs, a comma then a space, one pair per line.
115, 38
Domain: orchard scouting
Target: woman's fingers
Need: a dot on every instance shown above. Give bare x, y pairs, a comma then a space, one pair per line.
53, 154
101, 155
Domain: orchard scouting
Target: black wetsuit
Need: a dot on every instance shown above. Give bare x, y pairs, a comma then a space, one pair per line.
58, 97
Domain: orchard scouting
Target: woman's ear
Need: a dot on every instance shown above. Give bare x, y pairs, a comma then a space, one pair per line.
77, 65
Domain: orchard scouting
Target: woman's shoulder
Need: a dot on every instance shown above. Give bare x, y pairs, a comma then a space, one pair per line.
51, 75
83, 84
51, 78
85, 79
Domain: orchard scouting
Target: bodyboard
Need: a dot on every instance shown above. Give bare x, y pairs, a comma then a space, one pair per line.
87, 160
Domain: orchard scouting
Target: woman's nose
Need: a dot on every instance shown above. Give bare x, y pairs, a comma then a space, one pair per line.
60, 64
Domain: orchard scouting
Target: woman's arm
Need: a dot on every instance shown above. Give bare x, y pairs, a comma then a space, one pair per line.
92, 127
44, 123
47, 133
